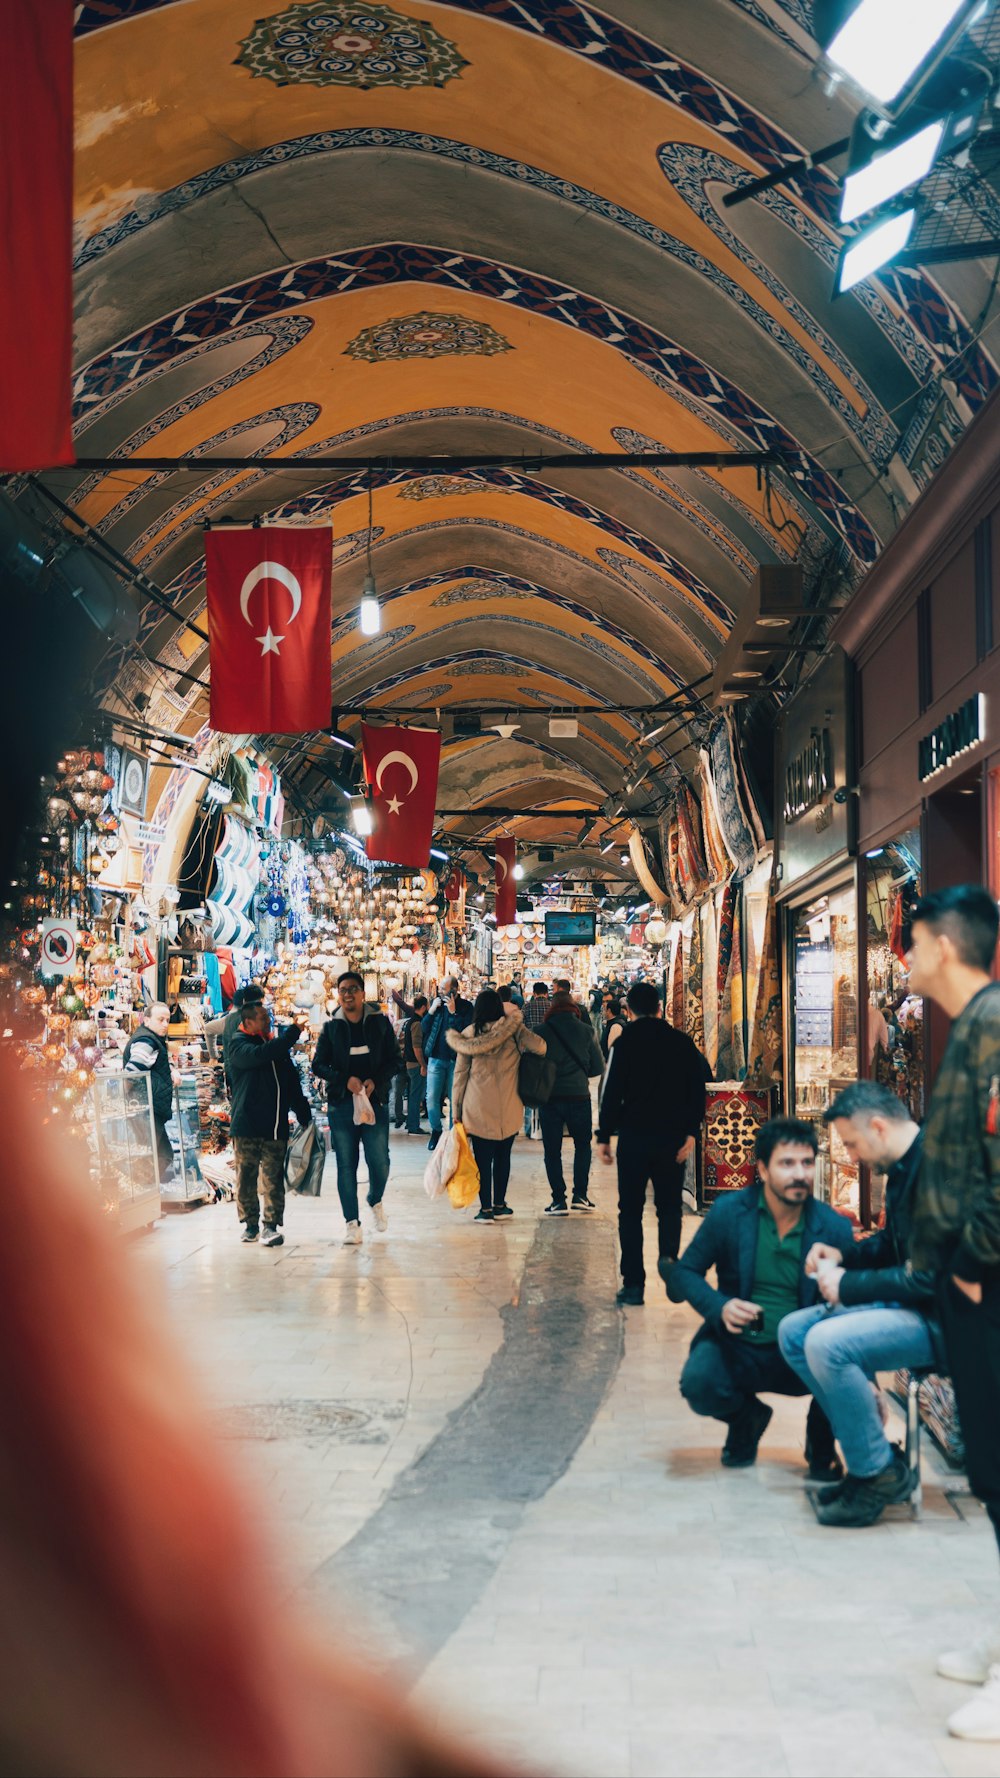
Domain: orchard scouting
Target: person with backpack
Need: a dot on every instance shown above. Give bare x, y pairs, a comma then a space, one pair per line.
357, 1054
411, 1084
573, 1048
485, 1093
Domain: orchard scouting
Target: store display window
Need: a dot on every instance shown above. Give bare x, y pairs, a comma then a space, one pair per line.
894, 1047
825, 1030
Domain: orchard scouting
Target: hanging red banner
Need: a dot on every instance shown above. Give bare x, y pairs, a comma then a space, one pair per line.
506, 887
269, 629
401, 771
36, 221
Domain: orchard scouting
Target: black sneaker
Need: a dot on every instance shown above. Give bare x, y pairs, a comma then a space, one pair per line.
583, 1203
558, 1207
502, 1210
248, 1235
867, 1499
435, 1139
824, 1467
835, 1490
745, 1434
483, 1216
272, 1237
630, 1296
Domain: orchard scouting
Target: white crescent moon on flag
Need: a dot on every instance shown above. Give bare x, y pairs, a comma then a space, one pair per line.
501, 864
402, 759
270, 571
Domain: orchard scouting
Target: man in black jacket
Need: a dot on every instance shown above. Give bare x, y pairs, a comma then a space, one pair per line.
357, 1052
265, 1087
450, 1012
758, 1240
877, 1313
654, 1096
146, 1053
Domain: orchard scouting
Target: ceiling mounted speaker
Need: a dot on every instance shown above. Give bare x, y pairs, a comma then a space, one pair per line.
546, 855
563, 728
99, 593
467, 725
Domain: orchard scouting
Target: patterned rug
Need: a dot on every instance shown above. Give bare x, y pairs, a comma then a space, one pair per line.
732, 1118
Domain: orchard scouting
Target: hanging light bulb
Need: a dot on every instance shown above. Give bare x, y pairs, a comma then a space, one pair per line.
370, 613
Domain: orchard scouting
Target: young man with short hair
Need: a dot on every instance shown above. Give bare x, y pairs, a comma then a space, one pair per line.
654, 1096
876, 1313
450, 1012
758, 1240
266, 1087
357, 1052
956, 1217
146, 1053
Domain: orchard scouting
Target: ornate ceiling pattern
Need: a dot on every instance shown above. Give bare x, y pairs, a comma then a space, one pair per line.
495, 228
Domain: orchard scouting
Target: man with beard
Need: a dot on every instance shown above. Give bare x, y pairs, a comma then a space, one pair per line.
757, 1240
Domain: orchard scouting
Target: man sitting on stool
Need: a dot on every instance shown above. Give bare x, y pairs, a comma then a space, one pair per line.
875, 1316
757, 1240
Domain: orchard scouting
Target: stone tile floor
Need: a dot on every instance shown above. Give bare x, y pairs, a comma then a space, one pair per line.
650, 1613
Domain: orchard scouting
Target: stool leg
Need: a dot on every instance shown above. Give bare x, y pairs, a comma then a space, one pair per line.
913, 1443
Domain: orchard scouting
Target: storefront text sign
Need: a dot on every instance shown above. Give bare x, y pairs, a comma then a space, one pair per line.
808, 776
954, 736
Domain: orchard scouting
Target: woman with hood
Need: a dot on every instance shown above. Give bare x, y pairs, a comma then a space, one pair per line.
486, 1100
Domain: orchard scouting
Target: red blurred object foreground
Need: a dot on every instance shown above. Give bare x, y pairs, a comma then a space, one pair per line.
145, 1632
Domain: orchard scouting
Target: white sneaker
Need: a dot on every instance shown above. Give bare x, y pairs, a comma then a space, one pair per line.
979, 1719
381, 1219
972, 1664
353, 1236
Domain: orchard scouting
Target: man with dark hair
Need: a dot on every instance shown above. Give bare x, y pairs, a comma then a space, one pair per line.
450, 1012
146, 1053
412, 1082
758, 1241
654, 1096
536, 1011
875, 1314
266, 1087
357, 1052
956, 1217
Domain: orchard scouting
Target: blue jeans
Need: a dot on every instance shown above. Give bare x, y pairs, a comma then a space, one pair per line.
347, 1138
575, 1114
439, 1078
837, 1352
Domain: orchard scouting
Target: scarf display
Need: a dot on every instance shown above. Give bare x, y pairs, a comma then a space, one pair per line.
692, 868
676, 1000
735, 828
707, 914
716, 857
764, 1063
693, 1004
725, 1058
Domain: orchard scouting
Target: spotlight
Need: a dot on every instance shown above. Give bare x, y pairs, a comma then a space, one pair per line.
872, 250
518, 871
370, 611
890, 172
361, 815
886, 48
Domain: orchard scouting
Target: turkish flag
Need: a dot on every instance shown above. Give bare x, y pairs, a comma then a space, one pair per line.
269, 629
503, 870
36, 222
401, 770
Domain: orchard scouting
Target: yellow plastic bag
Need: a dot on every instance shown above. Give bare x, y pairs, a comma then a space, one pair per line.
463, 1186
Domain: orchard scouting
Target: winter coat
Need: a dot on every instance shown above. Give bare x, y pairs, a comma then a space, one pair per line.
266, 1086
484, 1092
146, 1053
439, 1022
335, 1063
572, 1046
956, 1209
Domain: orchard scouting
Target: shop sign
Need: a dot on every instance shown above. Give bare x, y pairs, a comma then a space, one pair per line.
809, 776
954, 736
58, 947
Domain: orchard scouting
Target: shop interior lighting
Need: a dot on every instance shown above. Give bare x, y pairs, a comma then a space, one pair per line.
217, 792
607, 846
888, 47
341, 740
518, 872
370, 615
436, 854
892, 171
361, 815
872, 250
878, 852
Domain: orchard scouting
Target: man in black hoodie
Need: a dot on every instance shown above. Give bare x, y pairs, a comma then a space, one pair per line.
265, 1087
654, 1096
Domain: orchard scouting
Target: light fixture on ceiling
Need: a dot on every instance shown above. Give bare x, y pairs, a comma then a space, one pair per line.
891, 171
370, 614
519, 872
746, 673
887, 48
873, 249
506, 728
608, 846
654, 734
334, 734
436, 854
361, 815
563, 728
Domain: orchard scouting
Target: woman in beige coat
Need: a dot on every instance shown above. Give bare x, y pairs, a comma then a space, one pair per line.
484, 1093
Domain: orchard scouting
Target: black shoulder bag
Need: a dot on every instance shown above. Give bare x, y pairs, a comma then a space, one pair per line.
536, 1076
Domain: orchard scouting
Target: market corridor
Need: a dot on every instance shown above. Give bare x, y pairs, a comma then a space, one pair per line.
477, 1466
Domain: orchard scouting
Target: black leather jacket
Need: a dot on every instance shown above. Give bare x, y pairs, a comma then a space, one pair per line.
878, 1270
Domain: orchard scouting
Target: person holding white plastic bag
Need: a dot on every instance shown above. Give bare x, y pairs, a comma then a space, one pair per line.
358, 1057
486, 1100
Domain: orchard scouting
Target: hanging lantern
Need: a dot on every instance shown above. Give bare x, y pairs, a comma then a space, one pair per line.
656, 931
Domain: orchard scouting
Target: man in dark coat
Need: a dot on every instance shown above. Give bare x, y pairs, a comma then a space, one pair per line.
654, 1096
266, 1087
146, 1053
758, 1241
358, 1053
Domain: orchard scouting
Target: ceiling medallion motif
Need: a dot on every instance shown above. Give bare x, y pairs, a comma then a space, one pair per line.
341, 43
427, 334
431, 487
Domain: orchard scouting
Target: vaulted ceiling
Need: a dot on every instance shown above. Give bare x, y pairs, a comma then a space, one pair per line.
488, 227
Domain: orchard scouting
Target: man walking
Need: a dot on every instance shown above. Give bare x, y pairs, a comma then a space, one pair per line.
448, 1013
654, 1096
412, 1082
572, 1046
956, 1218
876, 1314
265, 1087
758, 1240
357, 1052
146, 1053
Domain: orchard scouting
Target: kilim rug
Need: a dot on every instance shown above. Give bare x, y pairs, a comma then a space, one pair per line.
733, 1115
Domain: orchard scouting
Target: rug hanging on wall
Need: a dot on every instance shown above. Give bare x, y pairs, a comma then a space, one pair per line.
732, 1118
693, 1005
764, 1063
725, 1063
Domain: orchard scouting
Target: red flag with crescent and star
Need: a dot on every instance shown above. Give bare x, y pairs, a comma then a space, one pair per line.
269, 628
401, 771
506, 887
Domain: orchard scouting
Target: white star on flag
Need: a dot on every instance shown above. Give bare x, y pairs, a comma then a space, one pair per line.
269, 643
394, 805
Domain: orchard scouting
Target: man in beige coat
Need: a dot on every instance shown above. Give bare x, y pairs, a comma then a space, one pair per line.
485, 1096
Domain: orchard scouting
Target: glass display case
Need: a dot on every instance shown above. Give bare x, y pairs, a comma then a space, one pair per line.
825, 1030
185, 1184
122, 1146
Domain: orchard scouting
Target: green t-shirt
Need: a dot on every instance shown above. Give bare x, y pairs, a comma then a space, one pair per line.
776, 1274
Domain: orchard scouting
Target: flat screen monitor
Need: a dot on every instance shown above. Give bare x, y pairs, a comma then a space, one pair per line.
570, 929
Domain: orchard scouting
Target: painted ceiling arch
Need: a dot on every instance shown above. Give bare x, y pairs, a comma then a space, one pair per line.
461, 226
